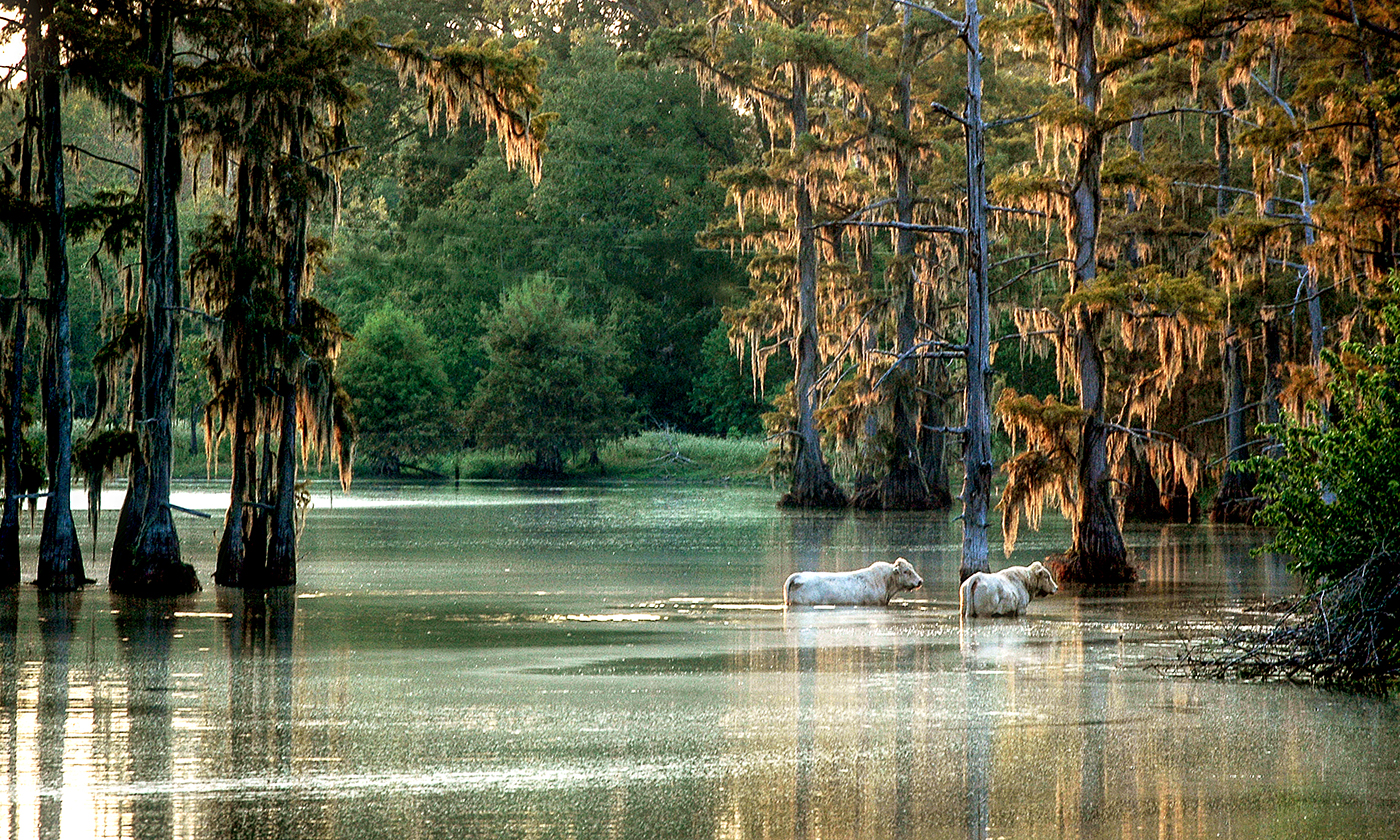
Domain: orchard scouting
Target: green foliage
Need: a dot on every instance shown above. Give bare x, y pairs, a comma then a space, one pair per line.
553, 386
402, 398
624, 190
722, 393
1151, 291
1332, 491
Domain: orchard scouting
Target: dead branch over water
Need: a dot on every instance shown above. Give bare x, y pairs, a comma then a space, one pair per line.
1343, 636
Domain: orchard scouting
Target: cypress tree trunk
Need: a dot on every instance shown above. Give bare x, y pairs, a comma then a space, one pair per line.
146, 553
903, 487
14, 436
60, 554
19, 336
282, 545
977, 440
1098, 554
812, 485
1234, 501
231, 567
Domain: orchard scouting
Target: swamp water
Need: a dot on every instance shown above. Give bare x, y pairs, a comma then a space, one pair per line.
496, 661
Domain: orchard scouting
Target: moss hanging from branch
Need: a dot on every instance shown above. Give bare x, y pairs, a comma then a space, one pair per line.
486, 81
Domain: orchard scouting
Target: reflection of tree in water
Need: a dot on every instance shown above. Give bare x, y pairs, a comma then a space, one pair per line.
9, 686
811, 537
145, 628
58, 613
848, 730
981, 699
260, 641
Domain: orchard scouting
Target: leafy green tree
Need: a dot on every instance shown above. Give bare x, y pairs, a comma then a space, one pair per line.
1332, 492
552, 387
622, 193
402, 399
722, 394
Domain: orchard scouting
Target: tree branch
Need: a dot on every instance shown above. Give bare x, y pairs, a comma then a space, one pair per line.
1109, 126
940, 108
957, 24
96, 156
954, 231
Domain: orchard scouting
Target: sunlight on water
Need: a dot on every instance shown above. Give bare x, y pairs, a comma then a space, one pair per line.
498, 661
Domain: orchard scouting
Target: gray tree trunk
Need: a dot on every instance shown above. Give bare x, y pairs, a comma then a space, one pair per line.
60, 553
1098, 554
146, 552
812, 484
977, 436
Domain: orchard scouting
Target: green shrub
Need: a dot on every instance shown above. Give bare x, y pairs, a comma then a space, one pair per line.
1332, 491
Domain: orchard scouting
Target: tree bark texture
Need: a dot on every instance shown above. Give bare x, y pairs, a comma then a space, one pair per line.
977, 435
812, 484
1098, 554
60, 553
146, 553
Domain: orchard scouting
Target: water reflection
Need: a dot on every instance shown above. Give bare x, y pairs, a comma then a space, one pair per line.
9, 702
479, 668
980, 699
58, 613
145, 630
260, 631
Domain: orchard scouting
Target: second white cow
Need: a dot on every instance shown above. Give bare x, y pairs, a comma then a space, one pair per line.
1007, 592
872, 586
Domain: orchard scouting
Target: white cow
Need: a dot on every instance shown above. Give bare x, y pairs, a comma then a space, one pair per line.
872, 586
1006, 592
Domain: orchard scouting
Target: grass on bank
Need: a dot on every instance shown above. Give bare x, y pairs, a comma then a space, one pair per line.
653, 455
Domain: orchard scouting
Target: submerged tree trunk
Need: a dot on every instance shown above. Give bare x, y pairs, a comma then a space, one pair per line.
1098, 554
14, 364
903, 486
977, 434
233, 566
282, 543
146, 552
60, 554
1234, 502
812, 484
14, 435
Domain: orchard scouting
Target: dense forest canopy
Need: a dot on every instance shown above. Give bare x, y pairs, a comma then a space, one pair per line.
414, 226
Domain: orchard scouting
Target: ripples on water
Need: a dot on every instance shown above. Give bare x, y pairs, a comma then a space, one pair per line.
511, 662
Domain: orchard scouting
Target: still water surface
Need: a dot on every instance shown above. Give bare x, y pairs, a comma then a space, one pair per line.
496, 661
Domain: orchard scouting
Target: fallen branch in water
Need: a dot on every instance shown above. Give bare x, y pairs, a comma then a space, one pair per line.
1345, 636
